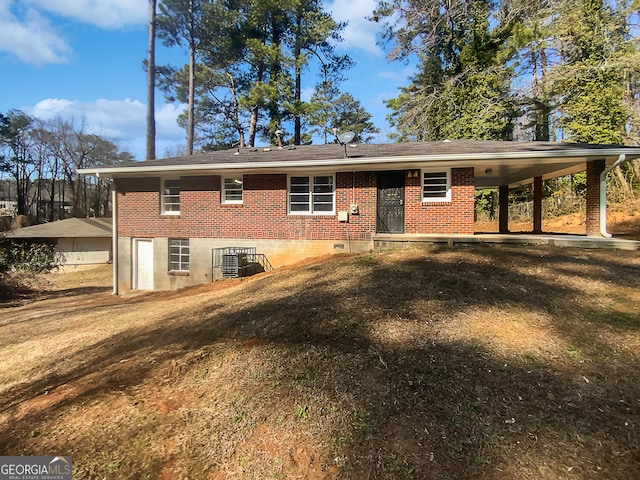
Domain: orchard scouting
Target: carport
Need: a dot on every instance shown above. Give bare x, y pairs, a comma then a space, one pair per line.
532, 163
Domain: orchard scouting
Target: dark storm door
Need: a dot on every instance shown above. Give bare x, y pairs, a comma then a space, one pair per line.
390, 202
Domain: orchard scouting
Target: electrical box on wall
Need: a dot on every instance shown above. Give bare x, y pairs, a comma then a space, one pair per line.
354, 209
343, 216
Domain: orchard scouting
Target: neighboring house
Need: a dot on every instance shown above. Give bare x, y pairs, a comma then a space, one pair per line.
78, 241
173, 215
8, 208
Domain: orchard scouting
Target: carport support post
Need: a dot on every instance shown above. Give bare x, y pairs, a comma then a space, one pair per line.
503, 208
537, 205
594, 169
114, 238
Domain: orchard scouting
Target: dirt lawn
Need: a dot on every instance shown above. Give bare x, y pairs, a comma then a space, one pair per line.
441, 363
623, 221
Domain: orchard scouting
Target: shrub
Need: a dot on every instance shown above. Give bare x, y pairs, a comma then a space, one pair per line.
19, 260
27, 255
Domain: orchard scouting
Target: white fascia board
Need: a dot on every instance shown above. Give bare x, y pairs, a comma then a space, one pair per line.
364, 163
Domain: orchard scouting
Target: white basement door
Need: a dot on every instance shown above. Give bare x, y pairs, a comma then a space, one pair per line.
144, 264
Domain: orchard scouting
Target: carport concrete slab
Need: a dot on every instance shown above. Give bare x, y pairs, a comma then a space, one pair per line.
558, 240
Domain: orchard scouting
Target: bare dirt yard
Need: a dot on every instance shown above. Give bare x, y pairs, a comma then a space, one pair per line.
441, 363
623, 222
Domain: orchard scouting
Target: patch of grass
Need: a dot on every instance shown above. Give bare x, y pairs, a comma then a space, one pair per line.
402, 470
302, 412
623, 320
113, 466
300, 379
367, 260
575, 354
238, 417
365, 424
339, 440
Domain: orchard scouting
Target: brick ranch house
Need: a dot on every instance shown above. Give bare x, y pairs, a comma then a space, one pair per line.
172, 215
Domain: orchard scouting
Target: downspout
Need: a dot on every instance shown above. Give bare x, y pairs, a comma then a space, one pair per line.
603, 195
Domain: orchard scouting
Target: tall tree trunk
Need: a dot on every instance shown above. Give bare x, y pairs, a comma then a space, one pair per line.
236, 110
255, 112
191, 104
107, 196
151, 83
52, 198
192, 74
297, 123
63, 211
85, 199
624, 185
253, 124
39, 194
20, 191
542, 110
635, 166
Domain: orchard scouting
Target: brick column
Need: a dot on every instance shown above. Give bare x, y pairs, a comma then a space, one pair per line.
594, 169
503, 209
537, 205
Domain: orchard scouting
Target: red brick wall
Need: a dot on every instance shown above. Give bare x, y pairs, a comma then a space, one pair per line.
263, 213
594, 169
454, 217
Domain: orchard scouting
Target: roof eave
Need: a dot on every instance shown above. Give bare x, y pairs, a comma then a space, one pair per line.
363, 163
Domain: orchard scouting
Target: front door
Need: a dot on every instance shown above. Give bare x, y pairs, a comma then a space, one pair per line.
143, 264
390, 202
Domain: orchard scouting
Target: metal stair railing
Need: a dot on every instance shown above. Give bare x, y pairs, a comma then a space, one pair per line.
235, 262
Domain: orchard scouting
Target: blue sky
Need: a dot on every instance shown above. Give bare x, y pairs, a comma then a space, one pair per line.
82, 59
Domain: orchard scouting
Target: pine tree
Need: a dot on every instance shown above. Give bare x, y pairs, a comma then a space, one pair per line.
591, 41
462, 86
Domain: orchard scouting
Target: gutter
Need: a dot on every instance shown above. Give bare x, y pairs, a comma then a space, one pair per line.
603, 194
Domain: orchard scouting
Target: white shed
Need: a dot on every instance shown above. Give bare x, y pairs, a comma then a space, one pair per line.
79, 241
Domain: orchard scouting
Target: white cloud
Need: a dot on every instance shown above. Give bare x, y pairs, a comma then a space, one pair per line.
18, 37
27, 31
360, 32
307, 93
122, 121
398, 76
109, 14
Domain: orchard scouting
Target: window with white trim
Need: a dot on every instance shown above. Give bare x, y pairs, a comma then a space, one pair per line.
436, 185
232, 190
178, 254
311, 195
170, 197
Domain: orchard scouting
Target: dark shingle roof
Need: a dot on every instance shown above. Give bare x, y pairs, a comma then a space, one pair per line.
494, 162
362, 151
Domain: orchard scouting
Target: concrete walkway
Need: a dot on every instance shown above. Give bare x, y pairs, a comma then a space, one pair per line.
554, 239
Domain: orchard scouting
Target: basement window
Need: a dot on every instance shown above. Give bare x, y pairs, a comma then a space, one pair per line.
232, 190
436, 185
170, 197
178, 254
311, 195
